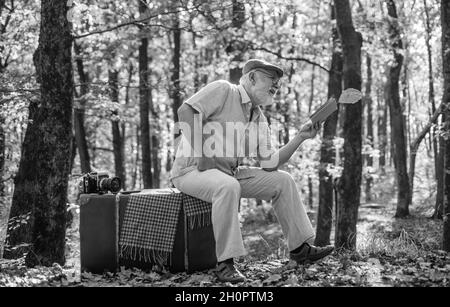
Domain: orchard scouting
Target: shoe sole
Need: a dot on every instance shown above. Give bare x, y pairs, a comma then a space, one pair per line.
233, 281
315, 257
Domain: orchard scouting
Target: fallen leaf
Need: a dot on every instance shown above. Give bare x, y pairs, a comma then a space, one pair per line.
198, 278
153, 276
272, 278
292, 280
291, 265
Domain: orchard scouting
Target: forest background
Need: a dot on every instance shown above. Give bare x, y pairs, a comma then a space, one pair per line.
133, 64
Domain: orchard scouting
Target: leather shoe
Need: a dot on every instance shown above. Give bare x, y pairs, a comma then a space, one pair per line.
311, 253
227, 272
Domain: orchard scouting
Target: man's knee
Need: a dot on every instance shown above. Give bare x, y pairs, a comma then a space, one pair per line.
283, 180
230, 186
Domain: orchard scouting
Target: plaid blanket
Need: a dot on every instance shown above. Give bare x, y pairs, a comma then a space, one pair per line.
150, 223
149, 226
198, 212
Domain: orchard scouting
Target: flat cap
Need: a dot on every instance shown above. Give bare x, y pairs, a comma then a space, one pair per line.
256, 63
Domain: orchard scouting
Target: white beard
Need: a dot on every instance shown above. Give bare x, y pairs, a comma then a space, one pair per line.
264, 99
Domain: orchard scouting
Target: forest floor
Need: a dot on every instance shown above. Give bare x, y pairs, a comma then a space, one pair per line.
390, 252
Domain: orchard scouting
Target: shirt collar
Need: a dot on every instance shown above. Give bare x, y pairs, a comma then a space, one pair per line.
244, 95
246, 101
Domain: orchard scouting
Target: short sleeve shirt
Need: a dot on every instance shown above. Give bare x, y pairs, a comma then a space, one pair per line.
232, 129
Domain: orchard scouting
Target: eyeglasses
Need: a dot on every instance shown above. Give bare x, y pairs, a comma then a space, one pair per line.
275, 81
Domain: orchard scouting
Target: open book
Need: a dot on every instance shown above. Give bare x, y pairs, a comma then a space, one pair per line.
325, 110
349, 96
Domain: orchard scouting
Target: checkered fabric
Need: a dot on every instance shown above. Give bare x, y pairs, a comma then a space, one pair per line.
149, 227
198, 212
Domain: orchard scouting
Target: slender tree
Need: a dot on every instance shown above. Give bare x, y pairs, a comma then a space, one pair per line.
327, 154
369, 124
438, 156
349, 186
118, 143
156, 161
382, 130
144, 98
235, 46
6, 11
125, 126
398, 139
80, 131
3, 203
311, 99
175, 91
445, 22
5, 15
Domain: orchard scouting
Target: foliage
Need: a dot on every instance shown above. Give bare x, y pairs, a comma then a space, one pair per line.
275, 30
397, 256
295, 34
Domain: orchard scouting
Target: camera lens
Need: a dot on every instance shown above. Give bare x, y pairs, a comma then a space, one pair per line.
110, 184
115, 184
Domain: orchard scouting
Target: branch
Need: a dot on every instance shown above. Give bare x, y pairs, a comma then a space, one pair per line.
280, 56
137, 22
415, 144
30, 90
133, 22
5, 63
8, 18
103, 149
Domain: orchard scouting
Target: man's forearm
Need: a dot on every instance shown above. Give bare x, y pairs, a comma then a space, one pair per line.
283, 154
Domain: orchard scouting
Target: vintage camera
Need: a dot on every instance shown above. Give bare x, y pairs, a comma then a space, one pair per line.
99, 182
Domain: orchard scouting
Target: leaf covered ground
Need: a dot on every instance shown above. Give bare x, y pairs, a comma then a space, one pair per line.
391, 252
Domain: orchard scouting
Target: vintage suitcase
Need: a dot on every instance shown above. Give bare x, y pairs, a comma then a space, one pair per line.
101, 221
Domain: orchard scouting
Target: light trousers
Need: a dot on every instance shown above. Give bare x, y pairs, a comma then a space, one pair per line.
224, 192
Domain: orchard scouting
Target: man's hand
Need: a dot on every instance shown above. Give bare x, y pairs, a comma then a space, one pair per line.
280, 157
308, 130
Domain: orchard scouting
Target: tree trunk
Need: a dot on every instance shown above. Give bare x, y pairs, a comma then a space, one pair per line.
287, 111
125, 126
3, 203
41, 184
136, 161
196, 62
415, 147
175, 76
235, 47
349, 187
18, 237
311, 99
327, 154
3, 66
396, 113
440, 186
169, 158
311, 86
144, 98
73, 153
156, 161
118, 146
445, 22
2, 162
438, 166
310, 192
368, 103
80, 132
382, 132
